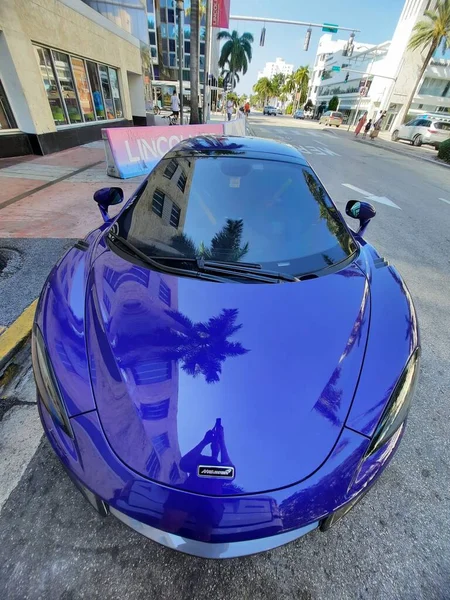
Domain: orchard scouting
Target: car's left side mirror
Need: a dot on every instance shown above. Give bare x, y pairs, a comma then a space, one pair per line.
106, 197
362, 211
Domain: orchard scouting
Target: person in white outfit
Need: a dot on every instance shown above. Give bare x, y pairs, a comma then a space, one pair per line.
175, 104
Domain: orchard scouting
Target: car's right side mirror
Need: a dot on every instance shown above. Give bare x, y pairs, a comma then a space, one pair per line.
364, 211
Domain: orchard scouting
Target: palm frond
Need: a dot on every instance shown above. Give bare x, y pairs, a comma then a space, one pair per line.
224, 35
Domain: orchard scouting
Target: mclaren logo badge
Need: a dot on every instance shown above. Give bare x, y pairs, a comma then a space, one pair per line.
219, 472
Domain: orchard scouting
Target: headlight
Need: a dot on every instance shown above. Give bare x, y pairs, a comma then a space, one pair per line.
46, 382
398, 407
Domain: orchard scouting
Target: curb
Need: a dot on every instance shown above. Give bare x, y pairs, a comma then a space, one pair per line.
13, 338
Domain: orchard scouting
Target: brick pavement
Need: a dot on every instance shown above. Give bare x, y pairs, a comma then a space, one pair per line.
64, 209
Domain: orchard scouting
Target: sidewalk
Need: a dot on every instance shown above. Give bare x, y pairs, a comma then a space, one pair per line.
423, 153
51, 196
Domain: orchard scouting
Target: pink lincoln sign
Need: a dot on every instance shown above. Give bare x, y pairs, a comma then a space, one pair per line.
132, 151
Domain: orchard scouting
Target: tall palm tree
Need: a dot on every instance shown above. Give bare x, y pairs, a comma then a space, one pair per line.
194, 62
264, 88
230, 77
430, 33
200, 347
300, 80
236, 51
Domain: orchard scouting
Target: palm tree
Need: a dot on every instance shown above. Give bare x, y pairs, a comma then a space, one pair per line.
230, 77
200, 347
194, 62
236, 52
300, 81
226, 244
430, 33
264, 88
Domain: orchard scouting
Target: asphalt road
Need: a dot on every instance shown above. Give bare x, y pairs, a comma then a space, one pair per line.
394, 545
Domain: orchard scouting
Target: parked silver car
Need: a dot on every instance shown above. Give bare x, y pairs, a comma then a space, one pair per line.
426, 129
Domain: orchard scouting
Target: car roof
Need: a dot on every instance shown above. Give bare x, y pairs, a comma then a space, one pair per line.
238, 146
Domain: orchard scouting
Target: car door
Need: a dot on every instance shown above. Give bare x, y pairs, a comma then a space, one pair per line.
406, 131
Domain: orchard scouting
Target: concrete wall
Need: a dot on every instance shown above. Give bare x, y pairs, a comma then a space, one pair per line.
67, 25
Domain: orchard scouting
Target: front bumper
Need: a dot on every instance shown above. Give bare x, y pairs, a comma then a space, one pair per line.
214, 526
212, 550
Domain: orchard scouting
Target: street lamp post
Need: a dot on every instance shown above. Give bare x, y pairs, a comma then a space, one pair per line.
180, 9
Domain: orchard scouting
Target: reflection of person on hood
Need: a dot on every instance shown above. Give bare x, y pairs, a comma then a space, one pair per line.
195, 457
180, 509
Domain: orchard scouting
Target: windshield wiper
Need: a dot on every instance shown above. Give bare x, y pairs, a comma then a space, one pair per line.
234, 269
155, 264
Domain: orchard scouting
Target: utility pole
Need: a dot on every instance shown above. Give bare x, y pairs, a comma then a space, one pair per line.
206, 66
180, 9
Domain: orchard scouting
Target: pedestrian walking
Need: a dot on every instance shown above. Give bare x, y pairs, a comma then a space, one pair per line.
367, 128
377, 126
230, 106
175, 105
247, 108
361, 124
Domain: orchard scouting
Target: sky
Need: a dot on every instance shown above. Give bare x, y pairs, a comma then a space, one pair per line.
376, 20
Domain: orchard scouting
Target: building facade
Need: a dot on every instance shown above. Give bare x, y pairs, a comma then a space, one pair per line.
163, 37
66, 72
381, 78
273, 68
326, 49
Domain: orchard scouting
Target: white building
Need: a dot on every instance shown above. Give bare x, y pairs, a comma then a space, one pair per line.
273, 68
387, 72
326, 49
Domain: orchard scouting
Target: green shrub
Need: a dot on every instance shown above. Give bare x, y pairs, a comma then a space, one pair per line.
333, 103
289, 109
444, 151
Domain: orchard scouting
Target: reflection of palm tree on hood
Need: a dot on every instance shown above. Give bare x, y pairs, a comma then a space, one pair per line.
201, 347
225, 245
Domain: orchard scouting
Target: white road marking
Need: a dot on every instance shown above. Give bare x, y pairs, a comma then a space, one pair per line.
444, 200
323, 150
372, 197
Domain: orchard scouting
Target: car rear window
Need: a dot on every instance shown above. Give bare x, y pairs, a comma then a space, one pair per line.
442, 125
337, 114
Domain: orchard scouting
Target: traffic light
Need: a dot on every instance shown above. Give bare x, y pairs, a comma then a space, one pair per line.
307, 38
262, 39
346, 77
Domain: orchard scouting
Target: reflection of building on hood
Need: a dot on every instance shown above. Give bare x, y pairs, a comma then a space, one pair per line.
131, 301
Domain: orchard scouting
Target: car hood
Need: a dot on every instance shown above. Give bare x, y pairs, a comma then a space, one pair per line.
271, 369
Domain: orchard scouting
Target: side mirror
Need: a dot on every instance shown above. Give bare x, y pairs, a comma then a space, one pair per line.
362, 211
106, 197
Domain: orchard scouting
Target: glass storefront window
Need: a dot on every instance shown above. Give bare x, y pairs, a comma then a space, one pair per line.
51, 86
96, 90
7, 120
84, 93
109, 105
115, 92
79, 90
67, 85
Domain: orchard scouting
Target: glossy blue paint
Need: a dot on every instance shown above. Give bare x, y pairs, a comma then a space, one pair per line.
288, 387
286, 383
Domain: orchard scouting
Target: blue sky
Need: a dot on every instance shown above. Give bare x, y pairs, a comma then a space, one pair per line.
376, 20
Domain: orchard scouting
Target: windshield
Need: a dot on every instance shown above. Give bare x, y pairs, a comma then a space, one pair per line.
233, 209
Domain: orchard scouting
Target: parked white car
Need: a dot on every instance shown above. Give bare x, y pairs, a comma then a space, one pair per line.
426, 129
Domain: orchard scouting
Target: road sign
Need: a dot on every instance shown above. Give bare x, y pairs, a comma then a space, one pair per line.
363, 91
330, 27
336, 68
